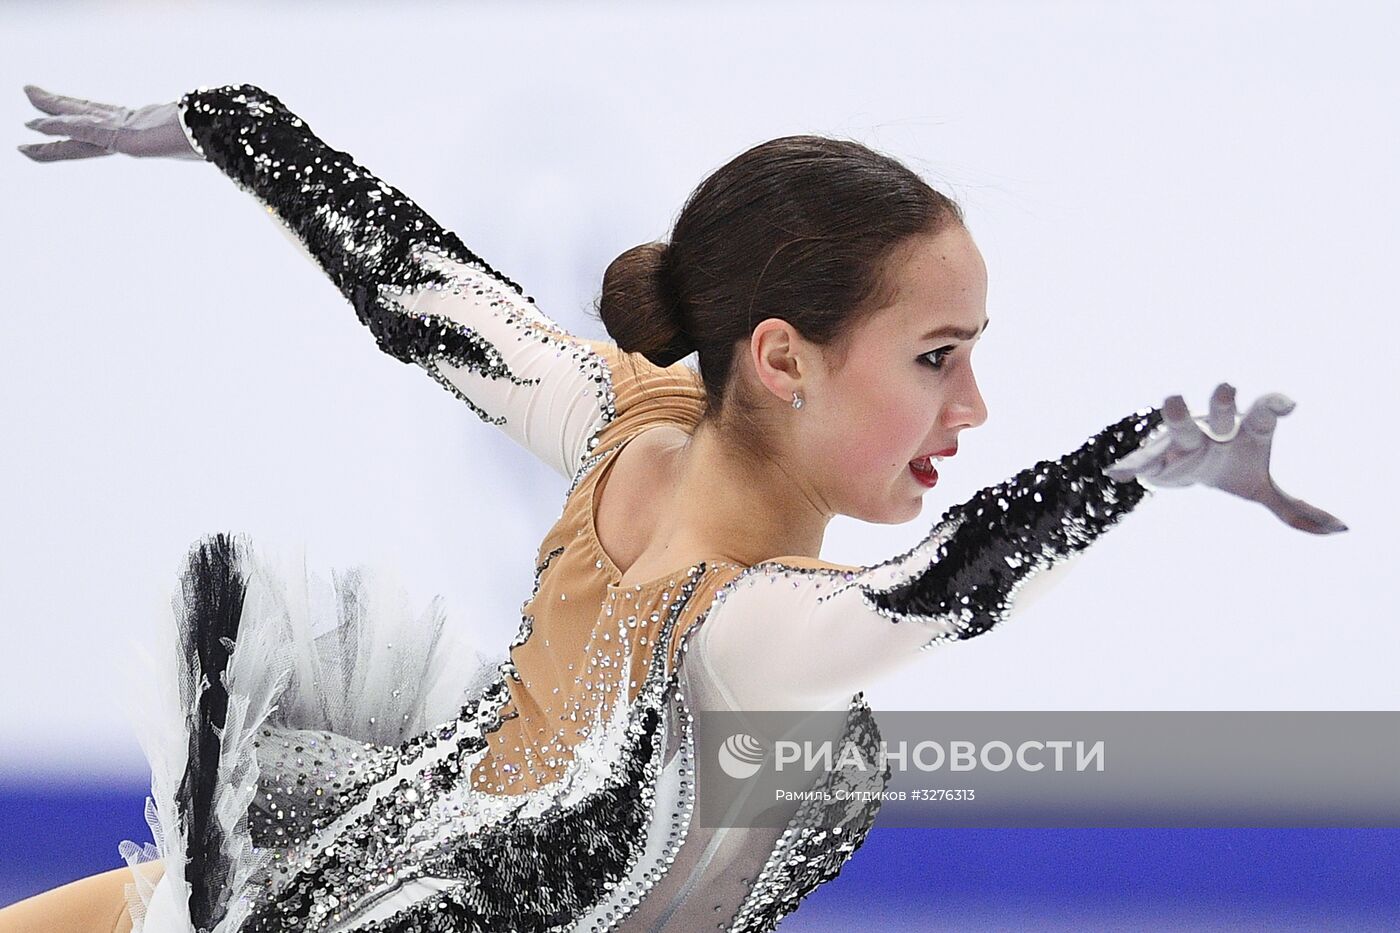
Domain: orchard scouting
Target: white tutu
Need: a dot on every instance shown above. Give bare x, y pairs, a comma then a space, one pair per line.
309, 678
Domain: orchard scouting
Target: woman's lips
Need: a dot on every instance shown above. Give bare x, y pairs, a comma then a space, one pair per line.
924, 472
923, 468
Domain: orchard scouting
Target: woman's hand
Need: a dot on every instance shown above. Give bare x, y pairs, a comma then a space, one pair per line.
102, 129
1233, 455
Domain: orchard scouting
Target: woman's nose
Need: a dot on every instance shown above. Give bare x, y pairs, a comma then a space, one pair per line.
969, 410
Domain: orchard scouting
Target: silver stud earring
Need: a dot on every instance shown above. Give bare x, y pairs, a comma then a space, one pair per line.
796, 400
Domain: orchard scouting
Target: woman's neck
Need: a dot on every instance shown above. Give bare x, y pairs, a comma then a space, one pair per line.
725, 503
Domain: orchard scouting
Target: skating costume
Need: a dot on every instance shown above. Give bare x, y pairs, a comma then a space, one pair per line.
318, 764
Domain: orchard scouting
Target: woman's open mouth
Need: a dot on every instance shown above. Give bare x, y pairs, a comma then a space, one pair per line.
924, 471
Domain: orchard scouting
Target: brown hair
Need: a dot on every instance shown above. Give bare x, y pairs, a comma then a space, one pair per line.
801, 228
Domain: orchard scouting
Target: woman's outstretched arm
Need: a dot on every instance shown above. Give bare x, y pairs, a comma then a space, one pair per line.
838, 630
424, 295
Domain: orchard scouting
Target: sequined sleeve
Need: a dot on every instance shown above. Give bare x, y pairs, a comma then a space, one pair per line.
838, 629
425, 297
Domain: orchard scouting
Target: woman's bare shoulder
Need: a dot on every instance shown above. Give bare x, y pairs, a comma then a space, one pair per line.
635, 486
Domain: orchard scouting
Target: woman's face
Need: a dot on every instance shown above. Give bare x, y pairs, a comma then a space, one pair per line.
902, 391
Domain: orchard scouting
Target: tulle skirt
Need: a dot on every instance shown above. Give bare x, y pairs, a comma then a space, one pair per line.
273, 691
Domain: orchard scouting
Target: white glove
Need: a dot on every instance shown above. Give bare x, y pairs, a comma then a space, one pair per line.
102, 129
1232, 454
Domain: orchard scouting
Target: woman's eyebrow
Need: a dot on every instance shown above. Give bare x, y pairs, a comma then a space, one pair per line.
952, 330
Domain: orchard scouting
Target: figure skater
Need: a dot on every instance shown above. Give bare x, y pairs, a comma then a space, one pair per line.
835, 299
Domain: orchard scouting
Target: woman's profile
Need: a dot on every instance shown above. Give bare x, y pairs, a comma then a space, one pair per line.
304, 777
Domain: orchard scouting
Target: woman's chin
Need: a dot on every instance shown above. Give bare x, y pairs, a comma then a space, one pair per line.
908, 510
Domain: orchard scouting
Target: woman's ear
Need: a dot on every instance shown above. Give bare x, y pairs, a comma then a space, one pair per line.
776, 354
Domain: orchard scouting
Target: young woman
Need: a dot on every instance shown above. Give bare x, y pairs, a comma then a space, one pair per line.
834, 299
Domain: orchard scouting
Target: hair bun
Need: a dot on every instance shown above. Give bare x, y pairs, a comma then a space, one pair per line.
640, 305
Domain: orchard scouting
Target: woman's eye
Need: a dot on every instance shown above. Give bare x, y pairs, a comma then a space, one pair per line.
940, 354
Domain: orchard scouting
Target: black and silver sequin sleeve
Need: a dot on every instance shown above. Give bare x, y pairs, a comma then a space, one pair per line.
425, 296
836, 630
